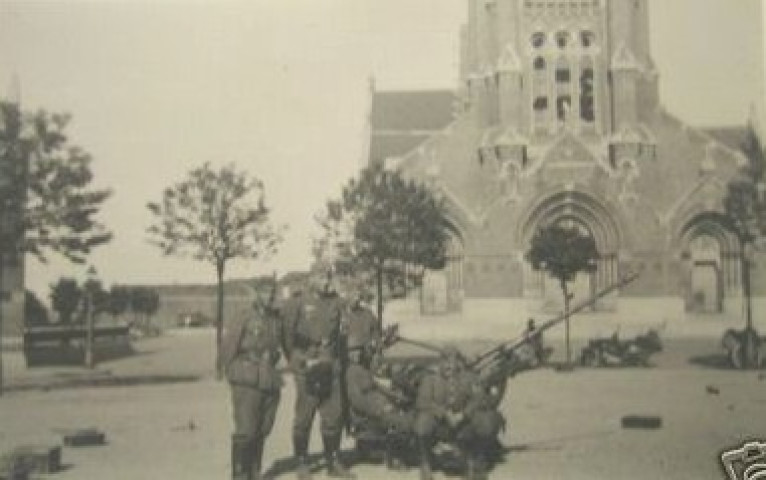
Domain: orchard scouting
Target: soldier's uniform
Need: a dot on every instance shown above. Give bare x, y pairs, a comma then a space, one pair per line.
363, 327
453, 406
313, 341
248, 354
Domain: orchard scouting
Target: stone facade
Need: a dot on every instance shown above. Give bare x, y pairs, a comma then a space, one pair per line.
557, 119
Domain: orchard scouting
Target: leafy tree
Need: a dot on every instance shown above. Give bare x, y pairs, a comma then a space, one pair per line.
214, 216
66, 295
96, 296
145, 302
745, 211
563, 252
35, 313
46, 200
381, 223
48, 204
119, 300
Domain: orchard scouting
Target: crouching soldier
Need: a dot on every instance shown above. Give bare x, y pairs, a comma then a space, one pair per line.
370, 398
453, 406
248, 356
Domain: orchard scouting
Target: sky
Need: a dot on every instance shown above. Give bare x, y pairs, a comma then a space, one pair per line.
281, 88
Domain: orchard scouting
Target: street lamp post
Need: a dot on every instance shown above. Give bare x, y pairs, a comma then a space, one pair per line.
89, 316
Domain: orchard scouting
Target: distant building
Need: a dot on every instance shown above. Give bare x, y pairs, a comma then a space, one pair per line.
557, 119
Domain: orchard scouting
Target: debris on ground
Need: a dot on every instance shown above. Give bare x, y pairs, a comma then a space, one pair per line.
84, 437
641, 421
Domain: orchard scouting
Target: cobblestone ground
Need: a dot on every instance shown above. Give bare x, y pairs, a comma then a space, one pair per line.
560, 425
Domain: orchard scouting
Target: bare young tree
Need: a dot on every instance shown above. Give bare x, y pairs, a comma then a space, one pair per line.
214, 216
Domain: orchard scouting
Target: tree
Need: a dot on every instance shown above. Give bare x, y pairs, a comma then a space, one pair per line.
145, 302
35, 312
214, 216
745, 212
48, 204
46, 200
119, 300
563, 252
66, 296
381, 223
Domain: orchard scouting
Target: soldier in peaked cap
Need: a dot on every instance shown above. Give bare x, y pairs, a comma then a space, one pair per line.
248, 355
313, 341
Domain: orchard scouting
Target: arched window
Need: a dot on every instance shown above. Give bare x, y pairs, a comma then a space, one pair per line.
562, 39
587, 92
539, 64
587, 38
538, 40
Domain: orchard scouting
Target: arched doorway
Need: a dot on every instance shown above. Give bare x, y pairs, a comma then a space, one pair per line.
582, 211
710, 253
442, 290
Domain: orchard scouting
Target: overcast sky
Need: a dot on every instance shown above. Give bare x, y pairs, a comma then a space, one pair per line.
281, 88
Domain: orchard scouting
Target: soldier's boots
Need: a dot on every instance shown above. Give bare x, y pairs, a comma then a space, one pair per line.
300, 447
394, 451
475, 469
241, 457
335, 468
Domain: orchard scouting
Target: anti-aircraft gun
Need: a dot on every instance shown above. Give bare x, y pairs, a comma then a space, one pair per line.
499, 363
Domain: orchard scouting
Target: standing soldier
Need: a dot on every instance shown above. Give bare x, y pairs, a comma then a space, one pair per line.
453, 405
248, 354
313, 342
363, 326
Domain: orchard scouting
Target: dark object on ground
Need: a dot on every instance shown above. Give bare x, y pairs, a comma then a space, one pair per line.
12, 469
602, 352
712, 390
641, 421
26, 459
743, 348
65, 344
84, 438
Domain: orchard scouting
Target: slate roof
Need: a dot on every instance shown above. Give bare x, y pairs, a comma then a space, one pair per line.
401, 120
732, 136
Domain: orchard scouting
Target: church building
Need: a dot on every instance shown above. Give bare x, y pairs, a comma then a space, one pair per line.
557, 119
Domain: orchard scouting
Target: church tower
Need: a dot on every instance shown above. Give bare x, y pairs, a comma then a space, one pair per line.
557, 120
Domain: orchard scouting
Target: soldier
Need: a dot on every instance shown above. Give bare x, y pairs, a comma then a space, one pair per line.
313, 342
453, 405
363, 326
248, 355
377, 403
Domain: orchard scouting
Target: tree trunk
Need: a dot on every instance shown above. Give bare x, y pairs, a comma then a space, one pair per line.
567, 298
749, 348
379, 285
2, 301
220, 267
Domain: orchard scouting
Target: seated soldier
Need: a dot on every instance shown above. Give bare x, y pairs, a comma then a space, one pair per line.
453, 406
371, 399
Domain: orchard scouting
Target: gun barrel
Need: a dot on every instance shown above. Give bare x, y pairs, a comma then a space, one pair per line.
515, 344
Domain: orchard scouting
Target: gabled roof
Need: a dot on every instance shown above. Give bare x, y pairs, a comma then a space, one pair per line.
732, 136
412, 110
402, 120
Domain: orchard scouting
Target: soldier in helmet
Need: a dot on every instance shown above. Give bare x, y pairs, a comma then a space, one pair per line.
248, 355
453, 405
313, 339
